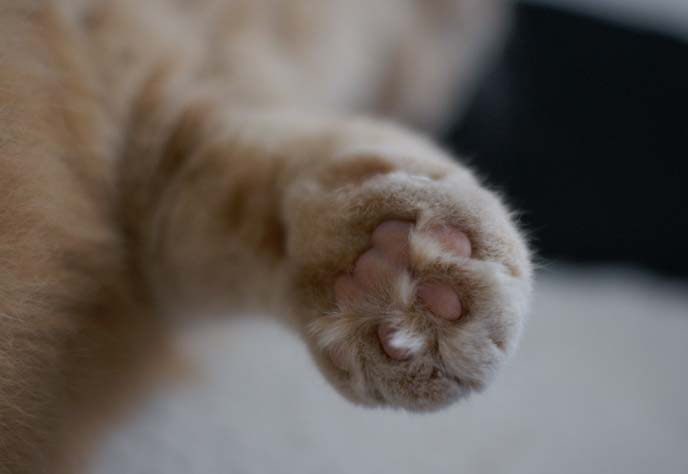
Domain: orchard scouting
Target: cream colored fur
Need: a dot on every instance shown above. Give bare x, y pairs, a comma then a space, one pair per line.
161, 156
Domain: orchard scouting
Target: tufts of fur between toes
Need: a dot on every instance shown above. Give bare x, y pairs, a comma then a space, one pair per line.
448, 359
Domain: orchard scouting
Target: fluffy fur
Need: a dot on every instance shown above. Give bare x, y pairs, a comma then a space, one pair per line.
164, 155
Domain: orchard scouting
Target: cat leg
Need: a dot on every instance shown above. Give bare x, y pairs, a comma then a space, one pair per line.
74, 322
406, 277
74, 329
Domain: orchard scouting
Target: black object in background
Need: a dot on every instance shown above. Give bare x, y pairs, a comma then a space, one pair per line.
584, 125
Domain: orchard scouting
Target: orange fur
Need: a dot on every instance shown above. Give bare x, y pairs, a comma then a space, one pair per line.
168, 154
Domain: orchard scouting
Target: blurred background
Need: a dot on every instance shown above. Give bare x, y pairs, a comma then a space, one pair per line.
583, 123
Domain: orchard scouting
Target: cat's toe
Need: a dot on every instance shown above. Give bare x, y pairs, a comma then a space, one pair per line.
391, 342
441, 299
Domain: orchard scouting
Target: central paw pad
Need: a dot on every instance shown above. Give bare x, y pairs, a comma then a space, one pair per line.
389, 259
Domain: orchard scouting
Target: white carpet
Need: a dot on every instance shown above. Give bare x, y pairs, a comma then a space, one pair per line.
599, 385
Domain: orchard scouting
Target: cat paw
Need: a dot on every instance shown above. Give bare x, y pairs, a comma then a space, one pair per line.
416, 278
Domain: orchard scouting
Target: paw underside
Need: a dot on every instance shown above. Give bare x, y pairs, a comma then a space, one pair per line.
424, 294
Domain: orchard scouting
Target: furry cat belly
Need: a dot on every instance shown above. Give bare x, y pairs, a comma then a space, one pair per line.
156, 156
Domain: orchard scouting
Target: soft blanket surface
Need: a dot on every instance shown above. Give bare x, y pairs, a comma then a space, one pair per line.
599, 385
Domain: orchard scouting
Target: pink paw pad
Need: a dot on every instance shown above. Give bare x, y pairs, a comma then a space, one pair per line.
389, 256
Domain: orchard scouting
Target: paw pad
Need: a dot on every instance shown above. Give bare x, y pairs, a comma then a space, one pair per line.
388, 257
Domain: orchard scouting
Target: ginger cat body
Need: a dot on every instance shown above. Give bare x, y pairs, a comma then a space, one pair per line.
160, 156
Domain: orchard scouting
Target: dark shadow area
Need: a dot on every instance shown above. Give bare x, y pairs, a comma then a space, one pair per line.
584, 125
